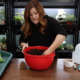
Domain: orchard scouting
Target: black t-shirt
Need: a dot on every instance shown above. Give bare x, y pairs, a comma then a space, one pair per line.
36, 38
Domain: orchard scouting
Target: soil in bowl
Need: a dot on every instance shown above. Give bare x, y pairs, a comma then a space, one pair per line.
35, 52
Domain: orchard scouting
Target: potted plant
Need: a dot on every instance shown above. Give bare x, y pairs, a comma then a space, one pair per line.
18, 18
3, 40
65, 46
61, 47
60, 15
2, 13
70, 19
4, 47
0, 44
71, 47
3, 44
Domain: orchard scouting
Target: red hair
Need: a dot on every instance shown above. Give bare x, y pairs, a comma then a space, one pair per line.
26, 27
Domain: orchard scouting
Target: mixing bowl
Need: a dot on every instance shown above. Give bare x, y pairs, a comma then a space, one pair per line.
38, 62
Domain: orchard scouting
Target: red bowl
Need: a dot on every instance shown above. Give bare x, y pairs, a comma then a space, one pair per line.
38, 62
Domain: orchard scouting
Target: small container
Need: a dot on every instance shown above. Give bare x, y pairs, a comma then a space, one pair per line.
76, 54
68, 62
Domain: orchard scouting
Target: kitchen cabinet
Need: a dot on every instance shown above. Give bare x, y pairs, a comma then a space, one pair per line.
71, 29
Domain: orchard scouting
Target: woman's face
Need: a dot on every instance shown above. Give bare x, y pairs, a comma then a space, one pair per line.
34, 16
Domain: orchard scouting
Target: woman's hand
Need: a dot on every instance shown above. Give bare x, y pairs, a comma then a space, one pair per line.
24, 45
56, 43
46, 52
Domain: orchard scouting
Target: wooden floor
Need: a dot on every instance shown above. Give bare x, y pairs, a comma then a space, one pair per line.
17, 69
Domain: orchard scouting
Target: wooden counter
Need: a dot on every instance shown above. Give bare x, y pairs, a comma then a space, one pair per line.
17, 69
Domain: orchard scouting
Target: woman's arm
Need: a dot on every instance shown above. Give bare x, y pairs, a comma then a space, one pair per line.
22, 42
24, 45
57, 42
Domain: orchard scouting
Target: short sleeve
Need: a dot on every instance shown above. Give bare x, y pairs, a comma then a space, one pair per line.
56, 27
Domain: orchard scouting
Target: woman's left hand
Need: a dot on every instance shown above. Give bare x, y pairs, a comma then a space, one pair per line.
46, 52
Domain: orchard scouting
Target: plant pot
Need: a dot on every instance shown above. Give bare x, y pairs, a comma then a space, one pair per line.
18, 22
21, 22
69, 23
4, 49
4, 44
2, 22
0, 47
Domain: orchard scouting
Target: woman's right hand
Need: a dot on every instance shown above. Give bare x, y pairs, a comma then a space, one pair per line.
24, 45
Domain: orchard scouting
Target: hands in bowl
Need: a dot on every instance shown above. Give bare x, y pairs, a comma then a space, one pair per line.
26, 45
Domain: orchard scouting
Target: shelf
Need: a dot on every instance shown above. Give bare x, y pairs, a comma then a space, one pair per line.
16, 26
67, 27
18, 54
47, 3
1, 4
69, 32
20, 0
71, 29
65, 55
3, 29
48, 6
18, 6
16, 29
65, 51
59, 51
45, 0
4, 26
60, 6
3, 0
17, 32
2, 32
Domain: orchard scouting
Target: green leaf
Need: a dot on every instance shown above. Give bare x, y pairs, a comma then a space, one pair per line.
18, 18
61, 46
1, 60
70, 18
3, 40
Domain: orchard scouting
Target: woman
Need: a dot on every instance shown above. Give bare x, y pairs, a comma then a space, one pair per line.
40, 29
